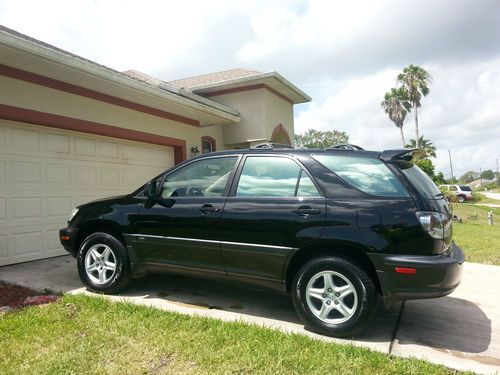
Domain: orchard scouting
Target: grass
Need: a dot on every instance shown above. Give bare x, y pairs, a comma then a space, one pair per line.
88, 335
480, 241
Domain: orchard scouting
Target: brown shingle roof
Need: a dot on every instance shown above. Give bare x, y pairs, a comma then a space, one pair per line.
226, 75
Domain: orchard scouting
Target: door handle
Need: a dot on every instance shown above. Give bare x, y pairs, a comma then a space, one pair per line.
208, 208
306, 210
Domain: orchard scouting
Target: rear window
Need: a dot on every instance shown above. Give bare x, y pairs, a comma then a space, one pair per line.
369, 175
465, 188
420, 181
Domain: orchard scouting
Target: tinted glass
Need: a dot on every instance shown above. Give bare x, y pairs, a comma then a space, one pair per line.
465, 188
453, 188
306, 187
420, 181
268, 177
201, 178
369, 175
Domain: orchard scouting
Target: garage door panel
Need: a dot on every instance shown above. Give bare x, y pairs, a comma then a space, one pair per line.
85, 146
2, 172
44, 173
57, 174
25, 172
109, 150
57, 143
23, 138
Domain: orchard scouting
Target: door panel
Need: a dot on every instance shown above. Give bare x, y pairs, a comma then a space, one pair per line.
260, 233
183, 227
184, 234
273, 209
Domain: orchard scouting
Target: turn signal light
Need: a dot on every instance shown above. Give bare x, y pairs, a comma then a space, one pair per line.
406, 271
65, 238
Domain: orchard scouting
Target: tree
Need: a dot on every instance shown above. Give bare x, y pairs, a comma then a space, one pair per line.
468, 177
427, 166
415, 81
425, 145
320, 139
396, 105
439, 179
488, 174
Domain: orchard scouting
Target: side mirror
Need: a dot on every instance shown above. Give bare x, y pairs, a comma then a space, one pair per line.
152, 189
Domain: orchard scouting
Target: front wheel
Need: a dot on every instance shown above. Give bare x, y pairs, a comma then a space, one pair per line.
334, 296
103, 263
460, 199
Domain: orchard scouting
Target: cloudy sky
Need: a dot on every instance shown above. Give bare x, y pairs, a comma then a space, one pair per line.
344, 54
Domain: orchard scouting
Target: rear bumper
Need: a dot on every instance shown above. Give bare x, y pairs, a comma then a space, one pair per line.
435, 275
67, 236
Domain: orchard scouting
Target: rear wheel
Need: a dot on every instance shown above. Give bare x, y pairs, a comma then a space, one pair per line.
460, 199
103, 263
334, 296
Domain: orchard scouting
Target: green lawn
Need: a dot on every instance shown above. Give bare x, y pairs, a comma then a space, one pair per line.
90, 335
480, 241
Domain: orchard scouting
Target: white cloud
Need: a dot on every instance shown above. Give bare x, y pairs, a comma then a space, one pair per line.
345, 54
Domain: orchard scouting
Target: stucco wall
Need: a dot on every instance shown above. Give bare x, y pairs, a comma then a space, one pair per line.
261, 111
36, 97
252, 107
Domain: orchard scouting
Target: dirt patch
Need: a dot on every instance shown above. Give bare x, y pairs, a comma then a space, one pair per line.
14, 295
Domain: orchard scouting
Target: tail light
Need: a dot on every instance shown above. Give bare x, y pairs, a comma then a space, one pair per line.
434, 223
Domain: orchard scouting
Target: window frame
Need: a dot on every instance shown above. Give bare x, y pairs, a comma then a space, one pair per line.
212, 142
236, 180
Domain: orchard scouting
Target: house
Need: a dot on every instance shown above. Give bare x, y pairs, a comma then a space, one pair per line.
72, 130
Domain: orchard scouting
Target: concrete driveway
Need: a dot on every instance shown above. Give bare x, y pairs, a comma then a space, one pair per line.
461, 331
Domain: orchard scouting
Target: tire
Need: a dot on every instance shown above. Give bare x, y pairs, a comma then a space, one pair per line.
103, 263
349, 304
460, 198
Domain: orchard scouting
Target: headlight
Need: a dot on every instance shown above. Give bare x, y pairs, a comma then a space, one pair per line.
72, 215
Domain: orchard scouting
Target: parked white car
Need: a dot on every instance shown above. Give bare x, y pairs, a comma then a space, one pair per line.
463, 192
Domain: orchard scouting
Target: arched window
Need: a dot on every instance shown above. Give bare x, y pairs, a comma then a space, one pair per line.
207, 145
280, 135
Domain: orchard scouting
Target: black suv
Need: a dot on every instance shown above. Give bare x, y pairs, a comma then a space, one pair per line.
335, 228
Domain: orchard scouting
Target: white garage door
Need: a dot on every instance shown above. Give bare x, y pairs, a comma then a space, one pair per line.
46, 172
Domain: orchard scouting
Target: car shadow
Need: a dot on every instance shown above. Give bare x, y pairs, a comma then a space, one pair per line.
446, 323
241, 299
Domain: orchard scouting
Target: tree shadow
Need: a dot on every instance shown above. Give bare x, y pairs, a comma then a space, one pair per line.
445, 323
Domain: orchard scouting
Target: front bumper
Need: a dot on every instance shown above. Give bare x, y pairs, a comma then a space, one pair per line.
435, 275
67, 236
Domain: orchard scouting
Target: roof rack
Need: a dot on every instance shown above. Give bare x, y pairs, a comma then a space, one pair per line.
344, 146
270, 146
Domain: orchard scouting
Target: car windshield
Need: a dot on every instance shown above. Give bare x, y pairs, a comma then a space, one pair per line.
465, 188
420, 181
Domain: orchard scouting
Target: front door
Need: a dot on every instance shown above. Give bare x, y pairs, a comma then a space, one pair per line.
181, 229
274, 209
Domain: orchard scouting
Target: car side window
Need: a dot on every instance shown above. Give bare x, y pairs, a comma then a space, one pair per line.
453, 188
202, 178
306, 187
369, 175
264, 176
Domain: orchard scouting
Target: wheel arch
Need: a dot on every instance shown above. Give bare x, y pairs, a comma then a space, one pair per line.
98, 226
351, 253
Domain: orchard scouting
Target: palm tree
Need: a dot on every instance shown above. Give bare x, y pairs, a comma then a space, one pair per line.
415, 81
396, 106
425, 145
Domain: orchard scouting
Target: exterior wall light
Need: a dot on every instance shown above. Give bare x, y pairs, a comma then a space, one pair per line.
194, 151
